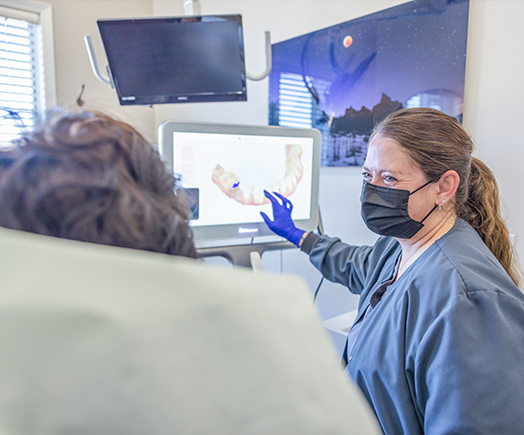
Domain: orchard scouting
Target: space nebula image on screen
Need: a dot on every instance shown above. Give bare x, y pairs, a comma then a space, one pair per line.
344, 79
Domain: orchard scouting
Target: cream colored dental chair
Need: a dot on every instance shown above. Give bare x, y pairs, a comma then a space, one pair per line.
97, 339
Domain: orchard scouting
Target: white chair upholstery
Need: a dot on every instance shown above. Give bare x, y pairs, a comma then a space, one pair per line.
97, 339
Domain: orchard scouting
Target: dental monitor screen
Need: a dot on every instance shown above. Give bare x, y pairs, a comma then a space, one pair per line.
224, 170
176, 59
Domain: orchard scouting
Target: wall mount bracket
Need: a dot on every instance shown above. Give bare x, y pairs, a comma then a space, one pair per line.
94, 62
106, 79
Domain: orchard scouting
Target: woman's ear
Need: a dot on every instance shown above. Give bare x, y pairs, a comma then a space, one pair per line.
447, 186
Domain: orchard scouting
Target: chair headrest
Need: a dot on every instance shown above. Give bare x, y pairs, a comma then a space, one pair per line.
97, 339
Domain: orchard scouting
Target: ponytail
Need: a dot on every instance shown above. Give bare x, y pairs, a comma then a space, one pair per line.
482, 211
437, 143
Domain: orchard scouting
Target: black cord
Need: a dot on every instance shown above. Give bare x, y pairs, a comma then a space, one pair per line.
316, 291
79, 100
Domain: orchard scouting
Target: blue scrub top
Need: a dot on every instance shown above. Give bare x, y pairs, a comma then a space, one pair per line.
443, 350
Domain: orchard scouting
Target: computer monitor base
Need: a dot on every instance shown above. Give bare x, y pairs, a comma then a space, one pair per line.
240, 255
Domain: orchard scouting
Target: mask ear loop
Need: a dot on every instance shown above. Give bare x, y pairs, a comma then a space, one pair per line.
432, 210
421, 187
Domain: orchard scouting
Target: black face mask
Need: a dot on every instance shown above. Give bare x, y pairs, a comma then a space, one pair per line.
385, 211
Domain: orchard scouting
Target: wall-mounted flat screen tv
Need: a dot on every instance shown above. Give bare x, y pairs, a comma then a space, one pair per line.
176, 59
344, 79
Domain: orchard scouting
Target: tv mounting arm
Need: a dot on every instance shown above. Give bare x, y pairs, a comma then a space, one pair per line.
94, 62
269, 61
107, 79
194, 7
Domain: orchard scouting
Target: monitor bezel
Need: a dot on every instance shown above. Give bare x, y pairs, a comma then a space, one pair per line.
261, 231
166, 98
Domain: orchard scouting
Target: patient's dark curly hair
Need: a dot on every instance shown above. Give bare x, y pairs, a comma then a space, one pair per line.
86, 176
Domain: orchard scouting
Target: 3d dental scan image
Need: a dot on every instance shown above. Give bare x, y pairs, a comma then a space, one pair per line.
253, 165
229, 183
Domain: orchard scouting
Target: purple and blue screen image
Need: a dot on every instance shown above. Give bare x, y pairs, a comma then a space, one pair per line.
346, 78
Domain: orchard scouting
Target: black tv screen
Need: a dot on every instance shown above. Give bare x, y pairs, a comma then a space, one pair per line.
176, 59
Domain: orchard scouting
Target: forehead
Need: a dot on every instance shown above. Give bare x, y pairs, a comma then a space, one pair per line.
386, 154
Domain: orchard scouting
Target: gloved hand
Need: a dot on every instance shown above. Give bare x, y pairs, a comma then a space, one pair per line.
282, 224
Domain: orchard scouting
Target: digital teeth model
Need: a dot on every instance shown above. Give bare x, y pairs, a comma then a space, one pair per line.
228, 182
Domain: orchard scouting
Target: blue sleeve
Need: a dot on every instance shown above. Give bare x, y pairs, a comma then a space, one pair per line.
469, 367
341, 263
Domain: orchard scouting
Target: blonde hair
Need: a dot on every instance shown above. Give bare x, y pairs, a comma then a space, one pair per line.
438, 143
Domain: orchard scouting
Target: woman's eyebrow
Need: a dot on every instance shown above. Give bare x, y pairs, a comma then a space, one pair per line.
382, 171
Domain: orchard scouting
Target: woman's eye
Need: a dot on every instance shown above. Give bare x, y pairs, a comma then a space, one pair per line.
366, 175
389, 179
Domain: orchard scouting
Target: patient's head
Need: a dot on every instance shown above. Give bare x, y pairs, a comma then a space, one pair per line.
85, 176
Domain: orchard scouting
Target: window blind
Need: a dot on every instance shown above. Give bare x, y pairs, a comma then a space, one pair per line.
19, 78
295, 102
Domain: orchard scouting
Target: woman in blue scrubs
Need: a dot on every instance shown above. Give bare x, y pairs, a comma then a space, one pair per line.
438, 343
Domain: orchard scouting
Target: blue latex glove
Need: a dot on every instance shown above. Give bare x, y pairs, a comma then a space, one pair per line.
282, 224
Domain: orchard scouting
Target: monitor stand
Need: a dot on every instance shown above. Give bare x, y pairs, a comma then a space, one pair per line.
248, 255
240, 255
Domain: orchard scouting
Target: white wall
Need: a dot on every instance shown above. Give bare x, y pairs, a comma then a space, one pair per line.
494, 101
